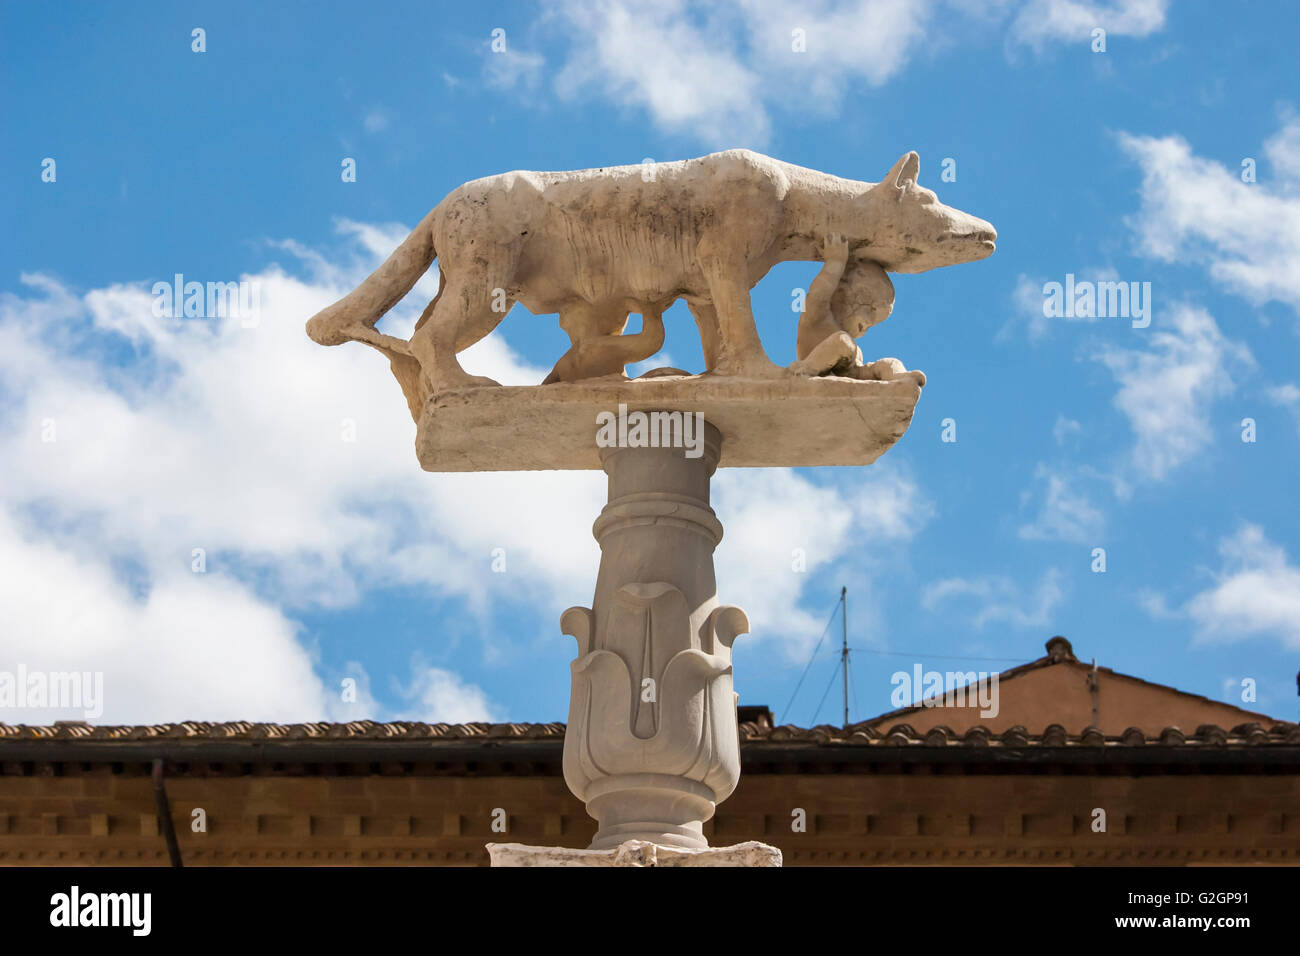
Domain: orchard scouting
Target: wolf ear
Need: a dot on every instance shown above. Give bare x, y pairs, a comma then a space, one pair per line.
904, 172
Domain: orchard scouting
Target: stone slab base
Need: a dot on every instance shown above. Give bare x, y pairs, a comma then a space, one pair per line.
782, 422
635, 853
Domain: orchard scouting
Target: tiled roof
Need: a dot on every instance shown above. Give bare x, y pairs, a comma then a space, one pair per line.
862, 734
249, 730
1054, 735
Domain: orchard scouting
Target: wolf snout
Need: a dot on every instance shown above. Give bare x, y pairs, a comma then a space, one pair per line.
984, 232
983, 236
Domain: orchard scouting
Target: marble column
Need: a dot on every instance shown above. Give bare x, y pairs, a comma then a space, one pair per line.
652, 745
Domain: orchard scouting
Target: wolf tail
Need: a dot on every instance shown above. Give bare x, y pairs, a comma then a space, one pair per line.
359, 310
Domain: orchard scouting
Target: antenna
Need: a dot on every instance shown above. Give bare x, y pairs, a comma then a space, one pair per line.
844, 652
1092, 688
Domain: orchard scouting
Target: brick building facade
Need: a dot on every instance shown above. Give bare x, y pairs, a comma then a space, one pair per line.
1181, 780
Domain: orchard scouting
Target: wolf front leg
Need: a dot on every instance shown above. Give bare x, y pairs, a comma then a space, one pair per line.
706, 320
740, 351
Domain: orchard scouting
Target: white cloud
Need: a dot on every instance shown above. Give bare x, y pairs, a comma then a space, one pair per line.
1166, 389
193, 646
889, 505
1030, 303
1042, 21
767, 513
1155, 604
1065, 428
1027, 300
694, 82
1257, 592
441, 696
1196, 210
512, 68
1066, 513
997, 598
776, 522
868, 40
1283, 152
718, 68
1286, 396
376, 121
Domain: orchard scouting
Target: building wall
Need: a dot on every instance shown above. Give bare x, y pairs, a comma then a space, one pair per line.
98, 816
954, 819
1060, 694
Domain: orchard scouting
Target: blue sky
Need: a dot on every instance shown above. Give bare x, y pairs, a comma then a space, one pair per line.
128, 440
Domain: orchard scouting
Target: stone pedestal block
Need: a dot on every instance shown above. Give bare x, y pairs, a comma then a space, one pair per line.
791, 421
635, 853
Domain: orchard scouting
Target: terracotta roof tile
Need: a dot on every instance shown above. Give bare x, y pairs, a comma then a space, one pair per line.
1054, 736
1133, 736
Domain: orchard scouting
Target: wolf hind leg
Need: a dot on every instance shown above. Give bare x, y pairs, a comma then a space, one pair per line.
599, 345
464, 311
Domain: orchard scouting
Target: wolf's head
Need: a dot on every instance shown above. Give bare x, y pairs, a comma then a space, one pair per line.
911, 231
